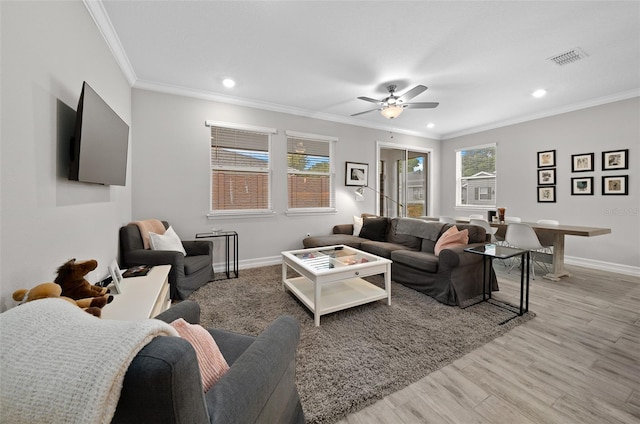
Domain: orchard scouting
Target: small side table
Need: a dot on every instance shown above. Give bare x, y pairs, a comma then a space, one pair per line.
229, 236
495, 251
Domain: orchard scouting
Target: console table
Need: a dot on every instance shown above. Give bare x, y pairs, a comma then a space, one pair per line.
141, 297
229, 237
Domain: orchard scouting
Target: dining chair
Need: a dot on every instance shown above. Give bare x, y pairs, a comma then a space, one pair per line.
508, 219
546, 239
522, 236
488, 228
476, 216
447, 220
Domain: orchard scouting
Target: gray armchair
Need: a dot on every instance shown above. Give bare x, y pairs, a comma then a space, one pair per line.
188, 273
163, 385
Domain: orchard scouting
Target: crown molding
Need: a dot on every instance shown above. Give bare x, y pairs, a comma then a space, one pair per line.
238, 101
101, 18
551, 112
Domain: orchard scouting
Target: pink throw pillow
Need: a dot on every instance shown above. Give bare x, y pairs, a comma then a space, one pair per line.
210, 360
451, 238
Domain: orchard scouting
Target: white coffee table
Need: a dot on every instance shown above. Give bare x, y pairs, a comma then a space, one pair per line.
330, 278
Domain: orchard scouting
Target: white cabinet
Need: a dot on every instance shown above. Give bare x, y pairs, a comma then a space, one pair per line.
141, 297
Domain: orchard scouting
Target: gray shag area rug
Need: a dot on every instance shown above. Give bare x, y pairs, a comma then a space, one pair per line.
359, 355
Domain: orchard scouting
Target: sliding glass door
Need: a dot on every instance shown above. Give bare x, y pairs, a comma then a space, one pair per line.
403, 182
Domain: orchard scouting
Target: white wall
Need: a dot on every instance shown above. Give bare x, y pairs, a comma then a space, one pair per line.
594, 130
171, 170
48, 49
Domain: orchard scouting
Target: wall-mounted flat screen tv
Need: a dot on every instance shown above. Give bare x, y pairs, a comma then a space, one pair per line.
101, 142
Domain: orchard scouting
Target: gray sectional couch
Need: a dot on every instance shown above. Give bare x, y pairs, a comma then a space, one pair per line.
454, 277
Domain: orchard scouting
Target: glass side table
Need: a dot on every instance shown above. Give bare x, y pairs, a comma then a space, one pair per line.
496, 251
229, 237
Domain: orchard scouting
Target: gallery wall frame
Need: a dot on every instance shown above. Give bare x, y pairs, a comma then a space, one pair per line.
356, 174
582, 162
615, 159
547, 159
582, 186
546, 176
615, 185
547, 194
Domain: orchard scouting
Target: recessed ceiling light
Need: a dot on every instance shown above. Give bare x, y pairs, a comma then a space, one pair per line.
431, 125
228, 82
539, 93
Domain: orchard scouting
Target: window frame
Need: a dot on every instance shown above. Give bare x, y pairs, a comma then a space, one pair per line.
332, 175
269, 132
459, 178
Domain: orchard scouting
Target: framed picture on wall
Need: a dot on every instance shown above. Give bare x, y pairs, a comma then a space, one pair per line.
615, 159
547, 194
582, 186
582, 162
546, 176
615, 185
356, 174
547, 159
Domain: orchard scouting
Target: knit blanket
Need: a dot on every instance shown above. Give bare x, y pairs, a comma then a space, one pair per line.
149, 226
59, 364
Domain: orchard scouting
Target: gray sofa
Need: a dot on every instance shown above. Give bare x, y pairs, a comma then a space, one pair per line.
163, 386
454, 277
188, 273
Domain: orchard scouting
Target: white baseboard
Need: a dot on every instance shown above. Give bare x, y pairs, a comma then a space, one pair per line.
603, 266
252, 263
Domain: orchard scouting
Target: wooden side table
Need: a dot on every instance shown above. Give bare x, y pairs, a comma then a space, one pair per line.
141, 297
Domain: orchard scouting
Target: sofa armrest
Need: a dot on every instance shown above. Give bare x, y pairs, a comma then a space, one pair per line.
261, 382
154, 257
343, 229
198, 247
456, 256
187, 310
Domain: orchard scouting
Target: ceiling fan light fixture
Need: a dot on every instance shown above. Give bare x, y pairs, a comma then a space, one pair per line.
391, 111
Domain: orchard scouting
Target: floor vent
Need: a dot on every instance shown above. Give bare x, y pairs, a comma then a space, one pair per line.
568, 57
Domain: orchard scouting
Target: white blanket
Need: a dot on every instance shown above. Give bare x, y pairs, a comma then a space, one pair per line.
59, 364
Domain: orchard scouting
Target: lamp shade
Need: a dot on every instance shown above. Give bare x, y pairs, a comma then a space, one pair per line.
391, 111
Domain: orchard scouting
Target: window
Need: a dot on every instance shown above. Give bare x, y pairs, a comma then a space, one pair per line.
476, 176
240, 169
310, 171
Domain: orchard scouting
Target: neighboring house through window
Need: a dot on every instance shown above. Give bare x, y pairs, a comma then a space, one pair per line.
476, 176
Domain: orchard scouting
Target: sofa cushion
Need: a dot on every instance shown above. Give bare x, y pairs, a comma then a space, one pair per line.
477, 234
407, 240
358, 221
167, 241
210, 360
374, 228
381, 248
423, 261
452, 237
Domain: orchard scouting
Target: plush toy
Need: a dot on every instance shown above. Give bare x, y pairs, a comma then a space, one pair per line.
92, 305
71, 279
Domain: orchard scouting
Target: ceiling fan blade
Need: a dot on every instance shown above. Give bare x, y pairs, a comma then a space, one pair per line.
369, 99
421, 105
412, 93
366, 111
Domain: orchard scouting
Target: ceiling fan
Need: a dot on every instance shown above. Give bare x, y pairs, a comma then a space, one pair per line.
392, 106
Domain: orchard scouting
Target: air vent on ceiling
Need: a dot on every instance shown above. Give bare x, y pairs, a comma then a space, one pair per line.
568, 57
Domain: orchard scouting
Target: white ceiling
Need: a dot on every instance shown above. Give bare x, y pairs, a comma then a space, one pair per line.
481, 60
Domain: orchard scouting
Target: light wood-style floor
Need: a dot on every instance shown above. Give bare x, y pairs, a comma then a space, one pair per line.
577, 361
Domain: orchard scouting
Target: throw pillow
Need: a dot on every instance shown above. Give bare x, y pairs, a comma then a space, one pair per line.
167, 241
210, 360
374, 229
451, 238
357, 225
